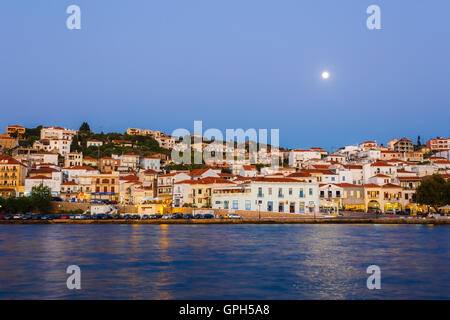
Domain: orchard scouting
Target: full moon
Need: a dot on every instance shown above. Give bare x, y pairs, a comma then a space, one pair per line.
325, 75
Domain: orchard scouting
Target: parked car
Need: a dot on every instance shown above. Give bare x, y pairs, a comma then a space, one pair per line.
144, 217
8, 217
177, 215
188, 216
64, 217
198, 216
36, 216
167, 216
234, 216
17, 217
117, 217
208, 216
155, 216
135, 217
2, 217
127, 216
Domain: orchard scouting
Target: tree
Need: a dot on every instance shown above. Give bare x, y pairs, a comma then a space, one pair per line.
419, 144
85, 128
434, 191
41, 197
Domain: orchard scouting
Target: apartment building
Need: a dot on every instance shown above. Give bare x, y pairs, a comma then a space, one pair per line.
298, 156
150, 162
108, 164
73, 159
439, 144
404, 145
12, 176
12, 129
7, 142
197, 193
268, 195
57, 133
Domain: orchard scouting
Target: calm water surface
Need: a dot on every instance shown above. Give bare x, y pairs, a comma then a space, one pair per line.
224, 261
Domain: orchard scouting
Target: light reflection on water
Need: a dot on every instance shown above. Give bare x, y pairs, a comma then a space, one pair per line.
224, 261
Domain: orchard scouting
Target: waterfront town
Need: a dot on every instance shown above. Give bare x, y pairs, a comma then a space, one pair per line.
135, 169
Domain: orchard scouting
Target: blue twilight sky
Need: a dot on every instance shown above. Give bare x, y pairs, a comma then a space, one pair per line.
161, 64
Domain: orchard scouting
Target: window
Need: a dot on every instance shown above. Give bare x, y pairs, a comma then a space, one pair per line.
310, 191
280, 192
332, 179
302, 207
290, 191
199, 191
322, 193
343, 178
270, 191
269, 206
225, 205
260, 192
301, 193
248, 205
235, 204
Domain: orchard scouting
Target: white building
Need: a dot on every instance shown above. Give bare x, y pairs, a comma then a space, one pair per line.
268, 195
298, 156
73, 173
150, 162
94, 143
379, 167
54, 183
248, 171
57, 133
44, 157
73, 159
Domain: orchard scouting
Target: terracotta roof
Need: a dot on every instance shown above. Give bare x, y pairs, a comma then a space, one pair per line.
390, 185
150, 171
353, 166
69, 183
264, 179
380, 164
129, 177
43, 170
87, 168
39, 177
198, 172
371, 185
380, 176
299, 175
9, 160
207, 180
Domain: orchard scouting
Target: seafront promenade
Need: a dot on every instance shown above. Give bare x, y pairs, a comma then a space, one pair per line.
339, 220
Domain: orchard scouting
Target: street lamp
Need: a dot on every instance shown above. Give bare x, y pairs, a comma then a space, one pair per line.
259, 210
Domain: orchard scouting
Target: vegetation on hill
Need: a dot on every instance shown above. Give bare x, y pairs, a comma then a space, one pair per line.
142, 145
